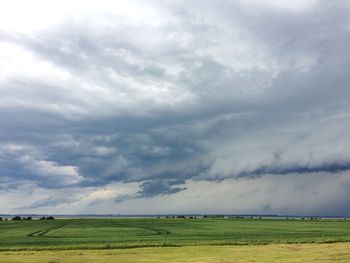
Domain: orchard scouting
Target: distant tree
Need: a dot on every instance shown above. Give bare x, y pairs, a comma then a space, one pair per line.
29, 218
16, 218
50, 218
42, 218
0, 218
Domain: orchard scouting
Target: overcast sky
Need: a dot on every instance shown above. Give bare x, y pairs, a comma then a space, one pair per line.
175, 107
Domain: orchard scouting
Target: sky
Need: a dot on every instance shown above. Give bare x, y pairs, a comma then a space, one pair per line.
148, 107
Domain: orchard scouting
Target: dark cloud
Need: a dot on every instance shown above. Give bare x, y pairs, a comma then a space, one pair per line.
160, 187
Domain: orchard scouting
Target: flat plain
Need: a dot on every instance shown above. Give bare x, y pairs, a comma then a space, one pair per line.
175, 240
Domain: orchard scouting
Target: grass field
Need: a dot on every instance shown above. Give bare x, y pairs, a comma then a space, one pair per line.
275, 253
63, 234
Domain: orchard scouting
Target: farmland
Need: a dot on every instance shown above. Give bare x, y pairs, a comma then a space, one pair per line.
174, 240
274, 253
148, 232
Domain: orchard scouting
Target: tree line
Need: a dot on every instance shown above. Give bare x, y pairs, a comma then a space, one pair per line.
16, 218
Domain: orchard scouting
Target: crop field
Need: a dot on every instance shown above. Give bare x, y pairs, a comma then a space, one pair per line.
148, 232
174, 240
274, 253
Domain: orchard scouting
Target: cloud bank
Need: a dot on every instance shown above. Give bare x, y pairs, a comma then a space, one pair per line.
175, 106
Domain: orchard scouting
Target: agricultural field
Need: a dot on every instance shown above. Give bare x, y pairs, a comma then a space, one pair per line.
273, 253
174, 240
148, 232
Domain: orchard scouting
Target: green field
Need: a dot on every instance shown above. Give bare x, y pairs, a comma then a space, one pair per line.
63, 234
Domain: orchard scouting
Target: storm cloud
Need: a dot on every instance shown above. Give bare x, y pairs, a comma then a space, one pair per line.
175, 106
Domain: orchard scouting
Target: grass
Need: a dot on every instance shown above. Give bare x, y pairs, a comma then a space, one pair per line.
282, 253
78, 234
